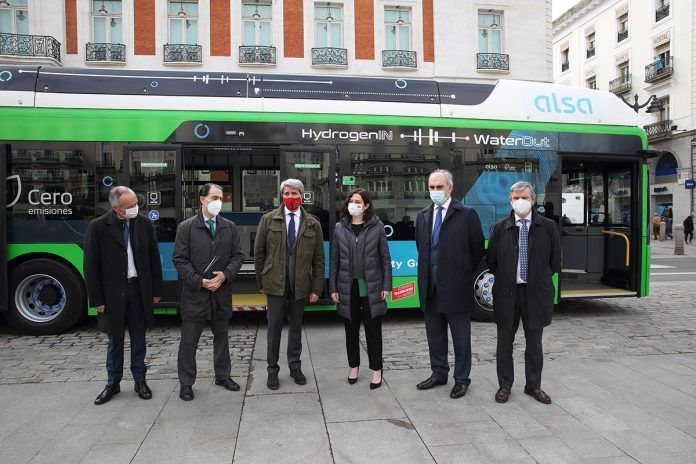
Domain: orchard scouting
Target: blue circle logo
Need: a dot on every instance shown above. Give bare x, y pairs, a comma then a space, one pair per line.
201, 131
108, 181
5, 76
153, 215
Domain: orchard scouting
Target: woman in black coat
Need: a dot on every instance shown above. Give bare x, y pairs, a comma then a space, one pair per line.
360, 280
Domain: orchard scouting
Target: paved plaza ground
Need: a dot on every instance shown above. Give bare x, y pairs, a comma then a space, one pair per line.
621, 373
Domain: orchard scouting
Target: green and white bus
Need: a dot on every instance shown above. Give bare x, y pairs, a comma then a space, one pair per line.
68, 135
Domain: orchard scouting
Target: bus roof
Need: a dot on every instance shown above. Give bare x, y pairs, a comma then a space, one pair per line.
51, 87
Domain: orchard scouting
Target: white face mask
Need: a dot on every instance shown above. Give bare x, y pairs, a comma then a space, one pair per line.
355, 209
131, 213
521, 207
214, 207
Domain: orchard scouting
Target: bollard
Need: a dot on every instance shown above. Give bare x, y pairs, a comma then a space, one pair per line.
678, 233
663, 231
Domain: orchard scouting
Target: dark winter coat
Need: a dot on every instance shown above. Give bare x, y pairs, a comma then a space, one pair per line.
270, 254
106, 269
194, 249
461, 247
544, 262
371, 254
689, 224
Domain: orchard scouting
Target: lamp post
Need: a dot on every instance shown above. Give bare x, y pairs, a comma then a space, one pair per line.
655, 104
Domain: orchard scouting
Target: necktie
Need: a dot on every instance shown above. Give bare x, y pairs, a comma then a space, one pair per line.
126, 234
438, 225
524, 258
291, 231
211, 224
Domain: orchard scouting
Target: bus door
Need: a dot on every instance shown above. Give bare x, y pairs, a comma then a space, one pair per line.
6, 156
316, 168
153, 171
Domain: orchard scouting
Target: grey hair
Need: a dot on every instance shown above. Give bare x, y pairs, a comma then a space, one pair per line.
293, 184
448, 176
522, 185
116, 193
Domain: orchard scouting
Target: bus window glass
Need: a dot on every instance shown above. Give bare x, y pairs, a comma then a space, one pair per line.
597, 212
312, 168
109, 169
573, 199
619, 198
260, 190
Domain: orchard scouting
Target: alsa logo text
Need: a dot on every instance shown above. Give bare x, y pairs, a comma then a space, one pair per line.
569, 105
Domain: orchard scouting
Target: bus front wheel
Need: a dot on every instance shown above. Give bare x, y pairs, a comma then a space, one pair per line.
46, 297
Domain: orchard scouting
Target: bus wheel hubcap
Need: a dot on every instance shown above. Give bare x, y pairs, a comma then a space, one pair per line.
483, 290
40, 298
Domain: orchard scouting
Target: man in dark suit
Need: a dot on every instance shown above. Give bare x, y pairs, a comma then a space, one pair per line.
123, 273
208, 257
450, 246
524, 252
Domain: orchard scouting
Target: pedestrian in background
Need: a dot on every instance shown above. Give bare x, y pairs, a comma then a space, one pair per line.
450, 246
656, 226
208, 257
289, 263
524, 252
689, 229
123, 273
360, 279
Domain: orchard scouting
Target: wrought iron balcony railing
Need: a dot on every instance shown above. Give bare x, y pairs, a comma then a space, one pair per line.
22, 45
108, 52
329, 56
590, 52
658, 130
565, 66
620, 85
662, 11
183, 53
257, 55
658, 70
622, 35
399, 59
492, 62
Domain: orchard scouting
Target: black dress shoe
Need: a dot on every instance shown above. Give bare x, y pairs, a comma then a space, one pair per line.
186, 392
431, 382
228, 383
273, 383
143, 390
374, 386
538, 394
458, 390
502, 395
107, 393
298, 376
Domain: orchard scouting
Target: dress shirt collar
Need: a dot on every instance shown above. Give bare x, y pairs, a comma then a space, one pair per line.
296, 212
519, 218
445, 205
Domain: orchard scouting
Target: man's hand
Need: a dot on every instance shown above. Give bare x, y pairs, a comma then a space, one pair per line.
313, 297
156, 299
335, 298
100, 309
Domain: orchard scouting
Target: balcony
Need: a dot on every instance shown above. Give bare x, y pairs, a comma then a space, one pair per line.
590, 52
658, 70
105, 53
257, 55
659, 130
329, 56
183, 53
405, 59
620, 85
565, 66
492, 62
30, 47
622, 35
662, 12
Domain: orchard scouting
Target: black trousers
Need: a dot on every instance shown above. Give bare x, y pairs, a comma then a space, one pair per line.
533, 353
436, 330
278, 307
360, 312
135, 321
188, 344
688, 236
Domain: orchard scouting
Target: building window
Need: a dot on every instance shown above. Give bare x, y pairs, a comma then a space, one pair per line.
591, 45
565, 60
14, 17
256, 18
663, 115
397, 24
107, 22
490, 32
328, 26
592, 83
623, 27
183, 22
624, 71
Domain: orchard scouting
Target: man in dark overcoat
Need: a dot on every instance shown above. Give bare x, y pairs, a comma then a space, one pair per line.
450, 246
123, 273
208, 256
524, 252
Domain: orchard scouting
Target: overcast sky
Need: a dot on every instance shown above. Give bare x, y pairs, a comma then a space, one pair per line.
561, 6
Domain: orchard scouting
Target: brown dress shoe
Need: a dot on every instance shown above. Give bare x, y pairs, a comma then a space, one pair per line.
273, 383
298, 376
502, 395
538, 395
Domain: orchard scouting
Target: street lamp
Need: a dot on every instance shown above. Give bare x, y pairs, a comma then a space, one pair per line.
655, 104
